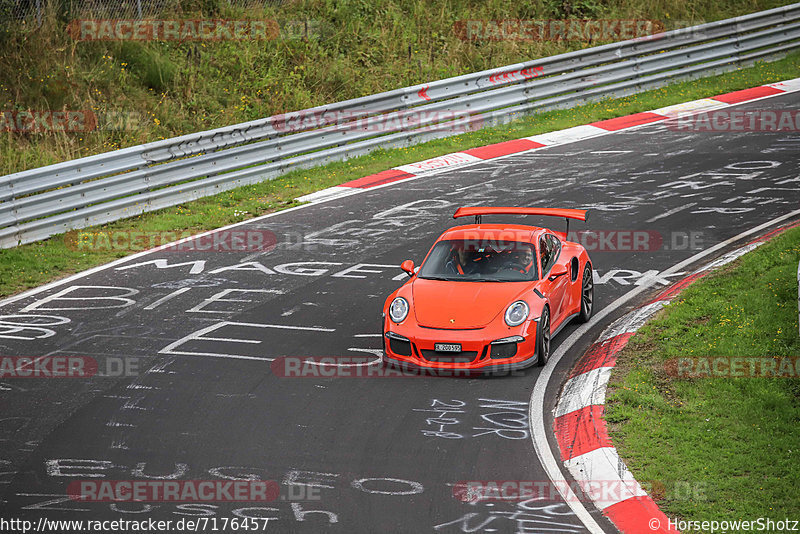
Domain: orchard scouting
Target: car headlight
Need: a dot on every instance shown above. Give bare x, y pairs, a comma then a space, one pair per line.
398, 309
517, 313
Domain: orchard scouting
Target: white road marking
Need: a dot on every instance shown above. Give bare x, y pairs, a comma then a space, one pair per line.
165, 298
219, 297
671, 212
117, 423
376, 352
198, 336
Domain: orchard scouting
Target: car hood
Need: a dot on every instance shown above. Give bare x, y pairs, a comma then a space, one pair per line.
461, 305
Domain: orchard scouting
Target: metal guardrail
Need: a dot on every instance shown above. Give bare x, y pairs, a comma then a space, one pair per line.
42, 202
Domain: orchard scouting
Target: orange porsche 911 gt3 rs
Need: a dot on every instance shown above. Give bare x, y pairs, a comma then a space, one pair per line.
489, 296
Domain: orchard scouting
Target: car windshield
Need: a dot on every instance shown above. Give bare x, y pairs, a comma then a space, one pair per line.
481, 260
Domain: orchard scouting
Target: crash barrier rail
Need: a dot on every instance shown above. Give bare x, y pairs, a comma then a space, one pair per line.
42, 202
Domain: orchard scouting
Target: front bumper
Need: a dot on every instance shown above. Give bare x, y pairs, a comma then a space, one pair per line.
414, 347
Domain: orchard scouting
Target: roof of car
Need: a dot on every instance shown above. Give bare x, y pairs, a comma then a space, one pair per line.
496, 232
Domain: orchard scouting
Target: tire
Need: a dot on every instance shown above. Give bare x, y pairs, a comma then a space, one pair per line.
587, 294
543, 338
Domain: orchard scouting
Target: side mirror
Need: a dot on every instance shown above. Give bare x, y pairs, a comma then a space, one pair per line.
408, 267
557, 271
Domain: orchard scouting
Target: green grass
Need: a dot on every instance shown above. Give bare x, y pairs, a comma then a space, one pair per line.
359, 47
717, 448
37, 263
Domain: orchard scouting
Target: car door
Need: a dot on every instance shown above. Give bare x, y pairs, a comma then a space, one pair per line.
555, 287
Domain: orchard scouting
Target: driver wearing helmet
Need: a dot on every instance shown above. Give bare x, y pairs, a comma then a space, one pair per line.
524, 259
458, 261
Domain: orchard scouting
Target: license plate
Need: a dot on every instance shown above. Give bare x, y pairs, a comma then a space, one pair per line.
447, 347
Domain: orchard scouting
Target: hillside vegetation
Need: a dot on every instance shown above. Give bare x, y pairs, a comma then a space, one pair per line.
325, 51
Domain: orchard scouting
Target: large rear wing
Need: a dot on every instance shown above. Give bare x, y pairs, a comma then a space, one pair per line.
477, 211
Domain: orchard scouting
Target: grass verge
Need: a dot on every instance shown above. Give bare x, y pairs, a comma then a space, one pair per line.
31, 265
719, 448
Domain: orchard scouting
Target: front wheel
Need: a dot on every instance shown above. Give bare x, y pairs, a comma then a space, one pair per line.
587, 294
543, 338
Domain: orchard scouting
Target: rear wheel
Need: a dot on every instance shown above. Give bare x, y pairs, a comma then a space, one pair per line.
543, 338
587, 294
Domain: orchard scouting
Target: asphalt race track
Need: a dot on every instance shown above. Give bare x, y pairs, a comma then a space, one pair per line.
200, 401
